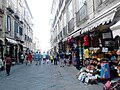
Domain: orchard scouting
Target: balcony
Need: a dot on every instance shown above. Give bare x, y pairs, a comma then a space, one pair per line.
81, 15
10, 7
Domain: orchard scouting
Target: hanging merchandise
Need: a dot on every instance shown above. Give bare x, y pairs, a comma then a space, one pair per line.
86, 52
68, 40
118, 52
86, 40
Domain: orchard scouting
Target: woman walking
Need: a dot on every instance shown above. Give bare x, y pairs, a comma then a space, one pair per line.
8, 63
30, 58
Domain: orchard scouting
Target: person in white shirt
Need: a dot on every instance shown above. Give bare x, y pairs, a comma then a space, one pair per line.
1, 64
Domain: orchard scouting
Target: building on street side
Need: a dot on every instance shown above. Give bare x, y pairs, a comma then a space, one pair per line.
13, 32
87, 29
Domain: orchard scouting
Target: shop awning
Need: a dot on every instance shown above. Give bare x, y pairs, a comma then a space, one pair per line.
116, 29
100, 19
11, 41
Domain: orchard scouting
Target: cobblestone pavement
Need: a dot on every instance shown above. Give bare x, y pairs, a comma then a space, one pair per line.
43, 77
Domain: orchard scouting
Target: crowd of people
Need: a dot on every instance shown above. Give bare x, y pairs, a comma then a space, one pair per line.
38, 58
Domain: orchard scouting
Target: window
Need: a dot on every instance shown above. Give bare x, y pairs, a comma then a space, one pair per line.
20, 31
81, 3
100, 2
8, 23
61, 24
15, 27
64, 20
70, 14
82, 11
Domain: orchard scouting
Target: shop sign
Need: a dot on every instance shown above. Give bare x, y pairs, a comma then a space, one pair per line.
106, 35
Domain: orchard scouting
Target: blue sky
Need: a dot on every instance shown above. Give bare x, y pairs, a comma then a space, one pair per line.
40, 10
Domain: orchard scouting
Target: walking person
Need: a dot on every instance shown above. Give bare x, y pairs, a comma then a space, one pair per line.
47, 58
37, 58
8, 63
1, 65
40, 58
51, 58
55, 58
30, 58
44, 58
62, 59
22, 58
26, 58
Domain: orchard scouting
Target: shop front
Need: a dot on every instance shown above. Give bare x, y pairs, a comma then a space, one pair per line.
116, 34
11, 49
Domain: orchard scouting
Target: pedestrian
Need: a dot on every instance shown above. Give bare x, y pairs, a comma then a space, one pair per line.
26, 58
8, 63
44, 58
62, 59
51, 58
30, 58
37, 57
47, 58
55, 58
22, 58
1, 65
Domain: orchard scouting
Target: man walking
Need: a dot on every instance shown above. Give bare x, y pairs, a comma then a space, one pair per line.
61, 59
8, 63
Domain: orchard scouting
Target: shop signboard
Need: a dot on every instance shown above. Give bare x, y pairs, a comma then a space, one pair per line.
105, 70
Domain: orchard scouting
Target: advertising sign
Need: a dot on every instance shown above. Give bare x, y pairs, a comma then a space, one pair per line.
105, 70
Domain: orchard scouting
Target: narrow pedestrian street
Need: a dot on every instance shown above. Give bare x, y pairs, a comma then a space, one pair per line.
43, 77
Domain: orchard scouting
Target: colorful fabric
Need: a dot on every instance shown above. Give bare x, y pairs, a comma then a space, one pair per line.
86, 53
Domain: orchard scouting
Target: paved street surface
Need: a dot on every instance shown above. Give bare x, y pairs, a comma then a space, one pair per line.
43, 77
